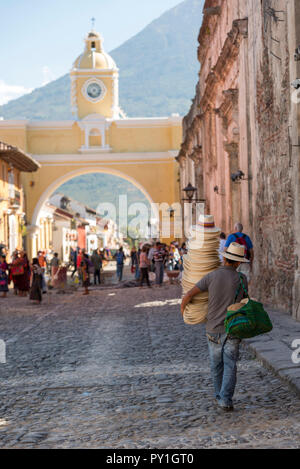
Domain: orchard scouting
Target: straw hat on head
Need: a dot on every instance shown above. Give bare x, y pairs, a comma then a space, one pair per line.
236, 252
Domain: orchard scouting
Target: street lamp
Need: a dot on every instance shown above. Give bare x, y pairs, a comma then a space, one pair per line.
238, 176
190, 191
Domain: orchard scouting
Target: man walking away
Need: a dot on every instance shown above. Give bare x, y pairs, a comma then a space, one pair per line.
159, 257
244, 240
224, 288
97, 263
74, 254
120, 258
135, 262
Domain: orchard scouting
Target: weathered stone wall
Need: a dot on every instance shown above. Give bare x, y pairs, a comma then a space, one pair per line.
293, 9
274, 234
243, 118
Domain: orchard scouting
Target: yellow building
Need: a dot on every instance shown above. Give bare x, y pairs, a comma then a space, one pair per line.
12, 203
99, 139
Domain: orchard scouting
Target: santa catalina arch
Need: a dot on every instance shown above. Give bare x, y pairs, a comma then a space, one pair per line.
99, 139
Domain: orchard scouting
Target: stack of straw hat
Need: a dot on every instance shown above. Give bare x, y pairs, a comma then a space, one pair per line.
202, 258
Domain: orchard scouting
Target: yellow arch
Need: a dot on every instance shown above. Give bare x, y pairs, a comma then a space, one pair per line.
79, 172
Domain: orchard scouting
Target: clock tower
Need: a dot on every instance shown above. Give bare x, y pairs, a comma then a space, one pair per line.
95, 82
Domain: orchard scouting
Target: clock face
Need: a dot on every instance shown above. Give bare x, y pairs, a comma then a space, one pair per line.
94, 90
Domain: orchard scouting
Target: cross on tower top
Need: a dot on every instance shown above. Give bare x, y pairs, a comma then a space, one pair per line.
93, 22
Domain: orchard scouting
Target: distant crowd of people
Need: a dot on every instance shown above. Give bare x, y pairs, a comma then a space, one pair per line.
150, 257
27, 278
156, 257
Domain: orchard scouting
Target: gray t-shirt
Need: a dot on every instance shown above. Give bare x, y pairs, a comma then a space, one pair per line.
222, 285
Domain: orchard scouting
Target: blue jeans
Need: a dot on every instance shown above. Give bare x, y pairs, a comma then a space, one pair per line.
120, 271
224, 354
159, 273
137, 272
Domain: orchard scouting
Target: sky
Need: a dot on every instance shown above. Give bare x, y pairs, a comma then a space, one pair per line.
40, 39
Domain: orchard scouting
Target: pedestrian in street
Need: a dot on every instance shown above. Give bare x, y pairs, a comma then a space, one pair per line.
176, 256
144, 267
74, 254
170, 257
85, 268
138, 270
183, 251
36, 281
120, 258
244, 240
3, 276
159, 259
97, 263
22, 274
43, 265
151, 257
78, 263
12, 270
54, 264
224, 288
134, 256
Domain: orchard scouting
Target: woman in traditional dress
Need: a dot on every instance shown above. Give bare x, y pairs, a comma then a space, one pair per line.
3, 276
85, 274
36, 281
13, 269
23, 279
54, 270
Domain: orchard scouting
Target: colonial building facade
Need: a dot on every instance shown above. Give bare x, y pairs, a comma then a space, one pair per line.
241, 136
12, 201
99, 139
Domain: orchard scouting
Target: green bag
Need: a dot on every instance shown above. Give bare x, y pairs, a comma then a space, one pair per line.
249, 321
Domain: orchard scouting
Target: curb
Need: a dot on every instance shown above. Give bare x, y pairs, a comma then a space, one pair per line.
275, 349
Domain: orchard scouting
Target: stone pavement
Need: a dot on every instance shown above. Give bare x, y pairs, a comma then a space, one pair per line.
119, 369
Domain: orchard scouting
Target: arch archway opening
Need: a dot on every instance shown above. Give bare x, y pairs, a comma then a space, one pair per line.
73, 200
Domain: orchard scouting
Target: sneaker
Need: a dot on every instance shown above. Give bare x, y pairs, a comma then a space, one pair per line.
223, 406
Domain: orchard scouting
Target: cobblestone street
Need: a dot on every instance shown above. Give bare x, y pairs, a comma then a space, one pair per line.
119, 369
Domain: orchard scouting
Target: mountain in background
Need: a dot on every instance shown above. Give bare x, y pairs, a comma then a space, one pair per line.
158, 72
93, 189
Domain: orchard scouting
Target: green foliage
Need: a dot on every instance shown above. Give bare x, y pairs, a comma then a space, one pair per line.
158, 72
